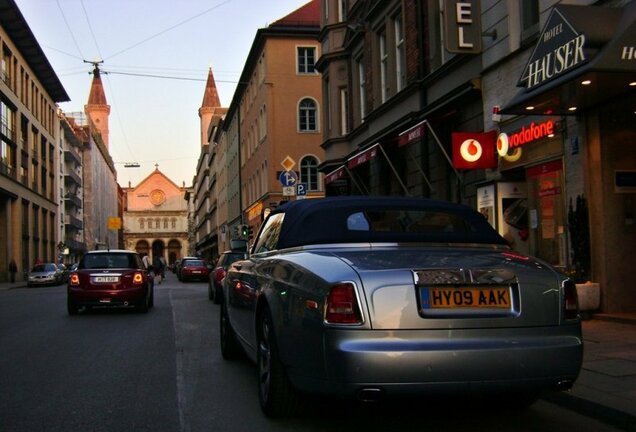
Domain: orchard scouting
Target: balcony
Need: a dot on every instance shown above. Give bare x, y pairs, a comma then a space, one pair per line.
73, 200
7, 170
72, 156
75, 245
73, 221
71, 176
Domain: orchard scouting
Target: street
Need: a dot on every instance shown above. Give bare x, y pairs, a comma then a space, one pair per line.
162, 371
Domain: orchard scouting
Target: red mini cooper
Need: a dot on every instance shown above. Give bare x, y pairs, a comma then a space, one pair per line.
110, 278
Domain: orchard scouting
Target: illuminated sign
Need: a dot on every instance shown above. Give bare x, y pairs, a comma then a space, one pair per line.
473, 150
560, 49
527, 134
462, 25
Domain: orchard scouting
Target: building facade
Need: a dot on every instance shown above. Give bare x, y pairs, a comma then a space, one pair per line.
272, 129
155, 219
543, 78
29, 158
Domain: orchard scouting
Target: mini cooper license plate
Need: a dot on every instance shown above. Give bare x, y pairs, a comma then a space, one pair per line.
106, 279
465, 297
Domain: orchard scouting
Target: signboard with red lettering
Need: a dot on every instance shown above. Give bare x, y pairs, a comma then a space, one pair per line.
474, 150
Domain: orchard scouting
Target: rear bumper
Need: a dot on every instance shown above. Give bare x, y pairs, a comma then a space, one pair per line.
82, 297
445, 361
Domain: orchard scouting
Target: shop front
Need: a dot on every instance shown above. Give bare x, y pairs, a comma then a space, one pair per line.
582, 76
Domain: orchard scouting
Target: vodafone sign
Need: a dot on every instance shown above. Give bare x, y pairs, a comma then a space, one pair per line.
474, 150
527, 134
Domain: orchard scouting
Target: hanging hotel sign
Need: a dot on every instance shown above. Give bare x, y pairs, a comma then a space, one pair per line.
560, 49
462, 25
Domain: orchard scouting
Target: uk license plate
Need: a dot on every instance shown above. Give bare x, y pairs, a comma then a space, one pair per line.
106, 279
465, 297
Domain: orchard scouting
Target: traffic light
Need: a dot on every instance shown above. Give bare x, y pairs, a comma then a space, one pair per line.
245, 230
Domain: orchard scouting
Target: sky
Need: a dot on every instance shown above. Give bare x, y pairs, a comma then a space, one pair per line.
152, 120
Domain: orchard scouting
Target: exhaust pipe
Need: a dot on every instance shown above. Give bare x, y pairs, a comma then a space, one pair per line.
564, 385
125, 303
370, 394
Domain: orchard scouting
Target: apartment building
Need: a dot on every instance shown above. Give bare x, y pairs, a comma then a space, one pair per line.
29, 159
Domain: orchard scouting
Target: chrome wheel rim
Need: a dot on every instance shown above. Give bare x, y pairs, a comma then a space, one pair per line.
264, 360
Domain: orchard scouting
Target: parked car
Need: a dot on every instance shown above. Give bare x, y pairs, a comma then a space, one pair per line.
194, 269
45, 274
375, 298
218, 273
112, 278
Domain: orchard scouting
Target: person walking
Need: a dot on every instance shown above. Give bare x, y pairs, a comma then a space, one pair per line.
157, 267
13, 269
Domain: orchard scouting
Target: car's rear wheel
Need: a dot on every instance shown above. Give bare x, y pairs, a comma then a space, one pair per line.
217, 294
73, 309
229, 346
276, 395
211, 291
143, 305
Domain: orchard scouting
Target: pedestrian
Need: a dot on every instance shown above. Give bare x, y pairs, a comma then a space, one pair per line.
13, 269
163, 267
157, 267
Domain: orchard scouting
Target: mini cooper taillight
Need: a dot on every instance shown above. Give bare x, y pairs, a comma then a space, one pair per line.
342, 305
138, 278
570, 300
74, 279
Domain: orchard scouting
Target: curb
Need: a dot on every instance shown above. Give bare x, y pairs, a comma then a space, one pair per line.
605, 414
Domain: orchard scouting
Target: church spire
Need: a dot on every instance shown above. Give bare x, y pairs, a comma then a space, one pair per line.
211, 109
97, 109
211, 95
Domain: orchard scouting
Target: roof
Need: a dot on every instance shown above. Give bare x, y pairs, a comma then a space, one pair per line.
307, 15
211, 95
13, 22
97, 95
325, 220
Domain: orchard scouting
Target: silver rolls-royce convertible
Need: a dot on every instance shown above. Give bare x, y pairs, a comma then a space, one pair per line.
382, 297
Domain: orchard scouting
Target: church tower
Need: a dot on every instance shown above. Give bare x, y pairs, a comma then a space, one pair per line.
210, 107
97, 109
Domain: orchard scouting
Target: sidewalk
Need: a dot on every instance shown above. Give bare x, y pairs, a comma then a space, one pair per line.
606, 387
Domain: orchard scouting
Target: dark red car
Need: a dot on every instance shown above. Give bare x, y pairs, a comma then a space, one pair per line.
110, 278
194, 269
215, 282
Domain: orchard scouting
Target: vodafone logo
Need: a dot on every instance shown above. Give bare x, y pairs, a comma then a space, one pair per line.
502, 144
471, 150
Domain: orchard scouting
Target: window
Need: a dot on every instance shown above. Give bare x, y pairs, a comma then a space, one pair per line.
165, 223
362, 87
400, 57
342, 10
384, 68
309, 172
529, 18
306, 60
7, 115
141, 223
268, 238
344, 111
307, 121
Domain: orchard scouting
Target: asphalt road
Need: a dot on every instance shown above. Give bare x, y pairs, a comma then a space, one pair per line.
163, 371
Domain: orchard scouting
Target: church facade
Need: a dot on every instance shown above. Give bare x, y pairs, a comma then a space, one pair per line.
155, 218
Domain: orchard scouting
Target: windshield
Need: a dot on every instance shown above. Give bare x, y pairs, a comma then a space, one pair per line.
44, 268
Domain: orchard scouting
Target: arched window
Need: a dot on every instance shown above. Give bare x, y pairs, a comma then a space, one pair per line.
307, 120
309, 172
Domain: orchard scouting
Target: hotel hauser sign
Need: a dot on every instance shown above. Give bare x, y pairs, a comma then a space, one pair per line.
559, 50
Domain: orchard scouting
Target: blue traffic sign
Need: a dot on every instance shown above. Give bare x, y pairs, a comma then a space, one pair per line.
288, 178
301, 189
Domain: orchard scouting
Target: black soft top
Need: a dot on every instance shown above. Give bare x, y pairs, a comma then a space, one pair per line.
328, 220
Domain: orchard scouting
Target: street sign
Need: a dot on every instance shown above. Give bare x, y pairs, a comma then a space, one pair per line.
301, 189
114, 223
288, 163
289, 191
288, 178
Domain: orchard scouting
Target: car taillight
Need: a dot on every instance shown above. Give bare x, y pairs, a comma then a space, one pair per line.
342, 305
570, 300
138, 278
74, 279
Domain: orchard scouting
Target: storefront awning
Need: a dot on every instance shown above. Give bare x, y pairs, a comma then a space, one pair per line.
586, 55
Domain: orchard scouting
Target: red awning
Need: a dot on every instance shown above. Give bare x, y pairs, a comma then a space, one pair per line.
334, 175
363, 156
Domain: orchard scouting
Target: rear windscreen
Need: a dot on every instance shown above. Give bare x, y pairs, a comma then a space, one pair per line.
105, 260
